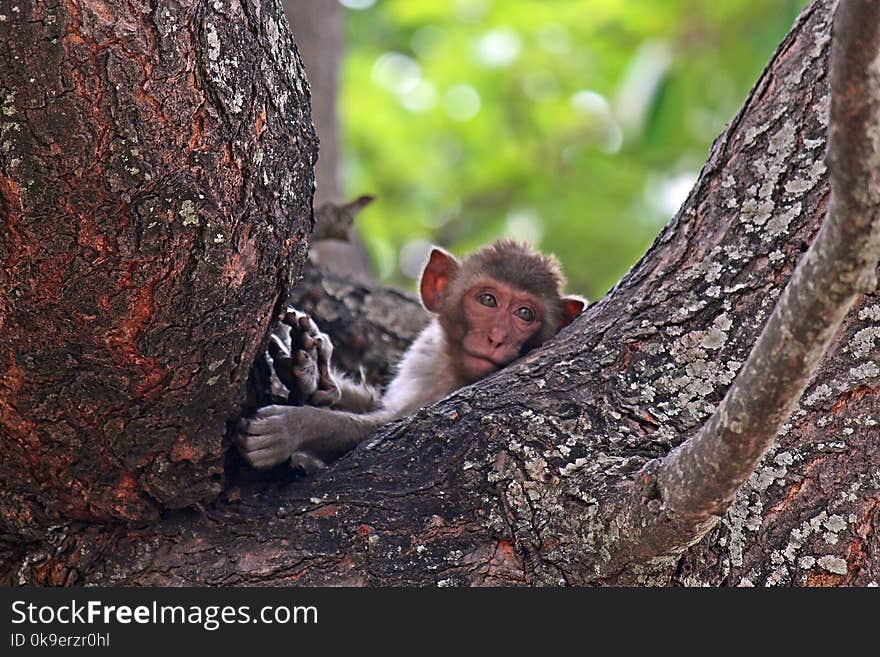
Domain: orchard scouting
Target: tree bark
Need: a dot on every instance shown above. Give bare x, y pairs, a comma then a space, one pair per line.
509, 481
156, 184
678, 498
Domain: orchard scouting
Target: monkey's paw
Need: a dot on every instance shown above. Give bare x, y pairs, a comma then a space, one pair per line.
300, 355
277, 434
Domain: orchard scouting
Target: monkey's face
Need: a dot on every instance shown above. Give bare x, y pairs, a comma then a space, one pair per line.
496, 321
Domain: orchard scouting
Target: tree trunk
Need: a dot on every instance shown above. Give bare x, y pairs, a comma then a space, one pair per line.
156, 187
319, 31
507, 481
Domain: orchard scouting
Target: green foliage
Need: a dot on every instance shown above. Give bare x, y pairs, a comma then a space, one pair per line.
577, 124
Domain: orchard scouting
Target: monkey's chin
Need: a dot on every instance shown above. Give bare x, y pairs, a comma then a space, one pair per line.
477, 367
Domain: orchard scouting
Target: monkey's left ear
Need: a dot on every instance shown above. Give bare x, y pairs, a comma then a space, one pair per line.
441, 266
572, 306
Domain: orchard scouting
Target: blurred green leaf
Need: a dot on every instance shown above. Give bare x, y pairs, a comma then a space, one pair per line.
579, 123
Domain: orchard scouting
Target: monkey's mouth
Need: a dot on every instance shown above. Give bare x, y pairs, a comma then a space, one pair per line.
477, 363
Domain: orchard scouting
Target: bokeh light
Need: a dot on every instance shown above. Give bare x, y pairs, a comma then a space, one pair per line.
577, 125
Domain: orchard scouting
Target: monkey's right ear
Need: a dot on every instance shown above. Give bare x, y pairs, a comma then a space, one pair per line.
441, 266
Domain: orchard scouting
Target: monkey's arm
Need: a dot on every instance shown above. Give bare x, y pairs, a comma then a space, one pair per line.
306, 436
355, 396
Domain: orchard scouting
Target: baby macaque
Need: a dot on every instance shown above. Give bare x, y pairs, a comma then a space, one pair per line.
488, 310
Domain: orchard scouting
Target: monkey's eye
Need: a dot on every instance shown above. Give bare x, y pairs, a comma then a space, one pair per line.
488, 300
526, 314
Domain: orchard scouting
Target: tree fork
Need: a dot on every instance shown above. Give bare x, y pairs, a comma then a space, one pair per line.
511, 481
679, 498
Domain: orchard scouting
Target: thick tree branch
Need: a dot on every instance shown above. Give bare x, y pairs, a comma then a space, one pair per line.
696, 482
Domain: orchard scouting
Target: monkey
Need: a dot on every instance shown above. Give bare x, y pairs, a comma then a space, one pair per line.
487, 310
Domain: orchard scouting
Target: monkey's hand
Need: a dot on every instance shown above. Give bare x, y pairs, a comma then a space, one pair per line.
280, 433
300, 355
308, 437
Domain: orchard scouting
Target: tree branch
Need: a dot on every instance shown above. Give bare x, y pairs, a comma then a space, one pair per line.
696, 482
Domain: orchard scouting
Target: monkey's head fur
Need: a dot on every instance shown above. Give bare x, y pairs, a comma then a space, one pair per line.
517, 264
508, 272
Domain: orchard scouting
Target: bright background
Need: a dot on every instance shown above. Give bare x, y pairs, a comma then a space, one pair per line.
579, 125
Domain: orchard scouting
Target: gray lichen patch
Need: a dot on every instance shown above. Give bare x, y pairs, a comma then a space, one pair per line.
230, 69
863, 341
808, 543
545, 484
798, 186
819, 393
188, 213
833, 564
779, 224
864, 372
8, 107
695, 375
782, 142
746, 514
781, 164
870, 313
213, 41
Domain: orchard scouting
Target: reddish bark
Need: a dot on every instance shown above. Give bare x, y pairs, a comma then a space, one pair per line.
155, 188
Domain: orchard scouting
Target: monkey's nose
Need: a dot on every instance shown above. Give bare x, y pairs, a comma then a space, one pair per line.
496, 338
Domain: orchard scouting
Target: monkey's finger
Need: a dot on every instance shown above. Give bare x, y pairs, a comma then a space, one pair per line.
264, 458
306, 462
292, 317
326, 384
275, 410
242, 431
306, 371
255, 428
251, 429
253, 443
324, 348
325, 397
308, 327
313, 327
326, 381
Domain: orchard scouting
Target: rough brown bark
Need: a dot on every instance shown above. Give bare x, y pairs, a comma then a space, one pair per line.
506, 482
680, 497
155, 187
